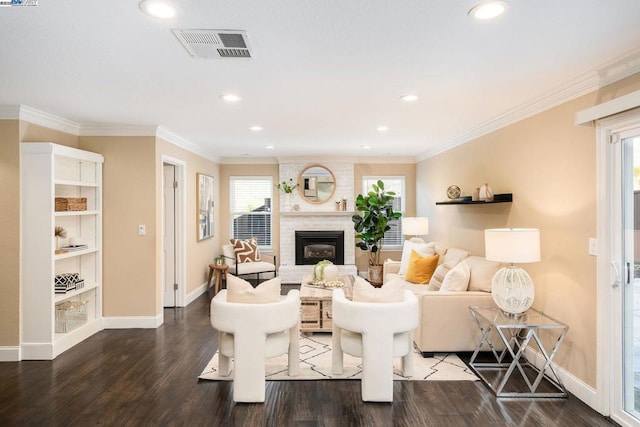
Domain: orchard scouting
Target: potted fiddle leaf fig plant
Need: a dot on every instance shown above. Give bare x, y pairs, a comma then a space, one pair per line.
372, 224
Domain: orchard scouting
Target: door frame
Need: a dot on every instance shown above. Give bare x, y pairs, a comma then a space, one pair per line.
180, 227
609, 215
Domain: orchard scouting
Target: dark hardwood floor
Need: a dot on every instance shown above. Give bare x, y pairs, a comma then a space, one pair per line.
150, 377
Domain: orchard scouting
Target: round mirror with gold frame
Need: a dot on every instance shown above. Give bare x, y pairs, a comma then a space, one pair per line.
317, 184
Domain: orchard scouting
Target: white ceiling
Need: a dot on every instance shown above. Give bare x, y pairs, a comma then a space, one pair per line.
325, 73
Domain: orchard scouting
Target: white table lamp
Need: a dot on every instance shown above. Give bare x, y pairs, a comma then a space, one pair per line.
415, 227
512, 287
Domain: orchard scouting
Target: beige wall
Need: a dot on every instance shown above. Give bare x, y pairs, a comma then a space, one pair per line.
408, 170
129, 198
549, 165
35, 133
9, 233
228, 170
199, 253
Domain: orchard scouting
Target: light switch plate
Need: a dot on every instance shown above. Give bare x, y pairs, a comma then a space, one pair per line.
593, 246
142, 230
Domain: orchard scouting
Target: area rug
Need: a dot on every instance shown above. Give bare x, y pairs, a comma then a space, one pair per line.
315, 364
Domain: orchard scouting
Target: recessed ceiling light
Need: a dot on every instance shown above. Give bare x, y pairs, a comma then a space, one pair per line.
162, 9
230, 97
269, 147
489, 9
365, 147
409, 98
255, 128
383, 128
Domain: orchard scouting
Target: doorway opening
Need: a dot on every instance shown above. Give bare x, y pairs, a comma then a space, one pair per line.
173, 235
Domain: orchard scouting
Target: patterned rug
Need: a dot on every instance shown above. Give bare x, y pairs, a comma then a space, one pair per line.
315, 364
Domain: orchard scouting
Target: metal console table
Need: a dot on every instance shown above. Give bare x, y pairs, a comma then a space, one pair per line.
518, 334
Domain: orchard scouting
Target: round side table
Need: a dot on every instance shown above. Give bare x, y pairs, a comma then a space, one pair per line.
219, 269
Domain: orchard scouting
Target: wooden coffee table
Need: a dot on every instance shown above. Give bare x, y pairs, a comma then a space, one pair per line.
316, 307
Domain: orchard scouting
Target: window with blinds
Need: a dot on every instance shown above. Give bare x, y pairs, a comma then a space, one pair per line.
250, 205
394, 236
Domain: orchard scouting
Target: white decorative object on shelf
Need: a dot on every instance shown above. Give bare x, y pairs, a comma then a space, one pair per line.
53, 323
512, 287
485, 193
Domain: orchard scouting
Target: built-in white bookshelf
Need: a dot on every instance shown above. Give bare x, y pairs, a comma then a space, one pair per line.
49, 171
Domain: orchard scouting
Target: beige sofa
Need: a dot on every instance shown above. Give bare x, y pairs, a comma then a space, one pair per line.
446, 324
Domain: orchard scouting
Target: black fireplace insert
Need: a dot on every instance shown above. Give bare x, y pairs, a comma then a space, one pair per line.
315, 246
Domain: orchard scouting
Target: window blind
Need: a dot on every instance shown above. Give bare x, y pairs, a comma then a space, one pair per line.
250, 208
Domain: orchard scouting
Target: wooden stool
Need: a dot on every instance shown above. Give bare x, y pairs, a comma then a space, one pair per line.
219, 269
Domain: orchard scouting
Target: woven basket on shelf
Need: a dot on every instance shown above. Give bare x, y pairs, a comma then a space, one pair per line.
71, 204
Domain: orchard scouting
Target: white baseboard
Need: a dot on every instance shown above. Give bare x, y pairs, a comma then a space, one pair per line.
573, 384
193, 295
144, 322
9, 354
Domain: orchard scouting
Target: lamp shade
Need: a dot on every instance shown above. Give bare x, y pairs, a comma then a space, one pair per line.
514, 245
415, 226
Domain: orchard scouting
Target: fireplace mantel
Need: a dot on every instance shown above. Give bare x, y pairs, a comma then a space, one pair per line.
318, 213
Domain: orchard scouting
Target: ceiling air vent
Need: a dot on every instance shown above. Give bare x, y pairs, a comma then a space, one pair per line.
214, 43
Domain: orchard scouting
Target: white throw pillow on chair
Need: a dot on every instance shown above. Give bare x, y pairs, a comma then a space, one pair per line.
239, 290
391, 291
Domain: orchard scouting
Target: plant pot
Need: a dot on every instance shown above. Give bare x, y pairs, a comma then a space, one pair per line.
375, 275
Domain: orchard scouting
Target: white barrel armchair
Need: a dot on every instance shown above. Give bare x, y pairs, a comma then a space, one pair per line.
249, 333
377, 332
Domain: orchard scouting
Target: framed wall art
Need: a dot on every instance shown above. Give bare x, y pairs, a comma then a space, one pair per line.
204, 208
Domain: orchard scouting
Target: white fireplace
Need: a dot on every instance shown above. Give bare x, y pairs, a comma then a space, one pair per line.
316, 217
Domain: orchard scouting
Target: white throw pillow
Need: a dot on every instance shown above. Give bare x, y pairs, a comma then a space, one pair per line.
454, 256
239, 290
423, 249
457, 279
438, 276
482, 272
392, 291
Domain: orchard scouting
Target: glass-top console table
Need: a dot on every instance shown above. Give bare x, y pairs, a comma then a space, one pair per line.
511, 342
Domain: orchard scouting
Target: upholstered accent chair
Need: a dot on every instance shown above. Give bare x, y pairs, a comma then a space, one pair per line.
377, 332
250, 332
237, 268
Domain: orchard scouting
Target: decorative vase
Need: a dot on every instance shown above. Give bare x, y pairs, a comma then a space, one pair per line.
485, 194
475, 196
286, 206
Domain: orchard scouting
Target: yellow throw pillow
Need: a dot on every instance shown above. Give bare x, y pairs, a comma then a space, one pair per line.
420, 269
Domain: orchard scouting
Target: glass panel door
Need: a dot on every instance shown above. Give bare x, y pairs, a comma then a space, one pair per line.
630, 279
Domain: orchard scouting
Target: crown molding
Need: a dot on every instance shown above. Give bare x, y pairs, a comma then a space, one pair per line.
177, 140
347, 159
611, 72
248, 161
40, 118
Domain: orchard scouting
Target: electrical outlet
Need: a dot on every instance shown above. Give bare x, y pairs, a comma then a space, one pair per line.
142, 230
593, 246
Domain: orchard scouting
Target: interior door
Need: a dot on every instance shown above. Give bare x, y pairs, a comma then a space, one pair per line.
169, 235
